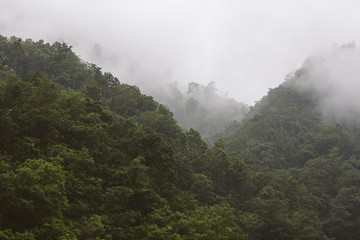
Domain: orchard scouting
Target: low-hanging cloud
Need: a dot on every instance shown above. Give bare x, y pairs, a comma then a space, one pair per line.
334, 77
244, 46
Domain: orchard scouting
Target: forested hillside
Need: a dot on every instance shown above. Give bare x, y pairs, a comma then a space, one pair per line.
204, 108
84, 156
308, 129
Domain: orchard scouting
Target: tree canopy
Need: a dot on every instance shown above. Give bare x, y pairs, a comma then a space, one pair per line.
84, 156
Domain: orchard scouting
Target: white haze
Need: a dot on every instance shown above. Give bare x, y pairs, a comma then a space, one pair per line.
244, 46
334, 75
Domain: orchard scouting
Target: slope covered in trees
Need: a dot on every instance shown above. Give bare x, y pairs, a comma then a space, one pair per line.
84, 156
308, 129
203, 108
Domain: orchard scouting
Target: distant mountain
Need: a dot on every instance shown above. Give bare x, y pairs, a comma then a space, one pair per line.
203, 108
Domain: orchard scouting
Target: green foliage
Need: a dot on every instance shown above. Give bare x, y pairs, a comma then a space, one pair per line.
202, 188
215, 222
311, 162
85, 157
279, 131
68, 163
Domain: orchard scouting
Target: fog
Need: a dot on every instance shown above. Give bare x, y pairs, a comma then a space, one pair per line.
246, 47
334, 77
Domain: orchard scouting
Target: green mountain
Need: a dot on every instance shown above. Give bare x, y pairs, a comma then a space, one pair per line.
292, 124
296, 131
84, 156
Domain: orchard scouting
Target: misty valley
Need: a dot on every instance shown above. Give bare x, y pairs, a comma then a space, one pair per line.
85, 156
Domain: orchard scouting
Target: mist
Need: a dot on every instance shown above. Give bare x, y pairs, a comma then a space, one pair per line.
246, 47
334, 78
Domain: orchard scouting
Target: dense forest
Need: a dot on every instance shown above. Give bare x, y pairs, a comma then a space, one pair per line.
84, 156
204, 108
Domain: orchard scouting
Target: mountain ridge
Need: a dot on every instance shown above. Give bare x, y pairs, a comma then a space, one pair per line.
84, 156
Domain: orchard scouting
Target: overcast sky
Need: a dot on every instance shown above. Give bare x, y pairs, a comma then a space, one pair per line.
246, 47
